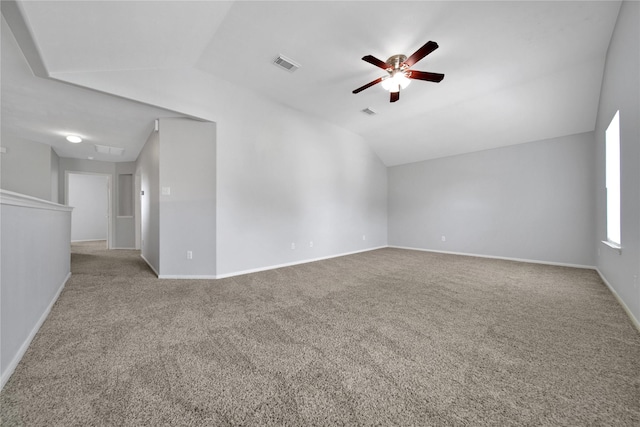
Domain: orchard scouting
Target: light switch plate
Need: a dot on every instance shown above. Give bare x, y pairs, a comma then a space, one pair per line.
166, 191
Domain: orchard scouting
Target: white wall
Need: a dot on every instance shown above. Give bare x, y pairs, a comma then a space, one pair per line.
88, 195
35, 264
530, 201
188, 213
26, 168
621, 91
147, 167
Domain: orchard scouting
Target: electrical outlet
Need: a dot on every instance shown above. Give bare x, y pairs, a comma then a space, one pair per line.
311, 244
444, 239
293, 245
364, 237
189, 254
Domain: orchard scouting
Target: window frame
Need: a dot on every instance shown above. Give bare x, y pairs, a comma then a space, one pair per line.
613, 217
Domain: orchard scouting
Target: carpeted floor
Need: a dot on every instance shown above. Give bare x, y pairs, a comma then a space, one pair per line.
388, 337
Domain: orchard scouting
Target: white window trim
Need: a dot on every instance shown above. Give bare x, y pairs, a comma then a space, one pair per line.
613, 246
613, 182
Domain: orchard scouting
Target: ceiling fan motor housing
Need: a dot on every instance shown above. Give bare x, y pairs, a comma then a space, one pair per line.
396, 61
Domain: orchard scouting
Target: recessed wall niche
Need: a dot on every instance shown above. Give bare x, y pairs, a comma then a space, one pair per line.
125, 195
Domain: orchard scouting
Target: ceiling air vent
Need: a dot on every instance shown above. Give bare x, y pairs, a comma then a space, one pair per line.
286, 63
104, 149
369, 111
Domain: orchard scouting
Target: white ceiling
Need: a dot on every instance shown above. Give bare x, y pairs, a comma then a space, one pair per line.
46, 111
515, 71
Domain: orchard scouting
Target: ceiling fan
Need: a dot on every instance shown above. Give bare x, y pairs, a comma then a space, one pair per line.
399, 76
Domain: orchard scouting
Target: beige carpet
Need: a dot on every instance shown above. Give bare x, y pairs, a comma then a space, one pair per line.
388, 337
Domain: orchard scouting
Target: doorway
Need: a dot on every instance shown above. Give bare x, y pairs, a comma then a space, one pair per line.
90, 196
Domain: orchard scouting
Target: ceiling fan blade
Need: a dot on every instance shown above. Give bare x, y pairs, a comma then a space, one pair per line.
368, 85
375, 61
425, 50
423, 75
394, 96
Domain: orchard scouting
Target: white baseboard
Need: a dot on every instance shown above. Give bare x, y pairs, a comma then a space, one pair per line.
186, 276
89, 240
634, 321
289, 264
531, 261
149, 264
25, 345
253, 270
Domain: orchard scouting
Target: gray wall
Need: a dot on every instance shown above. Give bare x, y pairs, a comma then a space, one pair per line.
188, 213
26, 168
88, 195
147, 167
285, 177
55, 179
531, 201
621, 91
35, 263
282, 177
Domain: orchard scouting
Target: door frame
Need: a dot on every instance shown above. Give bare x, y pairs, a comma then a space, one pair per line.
138, 209
108, 194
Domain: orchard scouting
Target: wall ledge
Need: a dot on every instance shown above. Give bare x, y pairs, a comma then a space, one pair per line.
616, 247
22, 200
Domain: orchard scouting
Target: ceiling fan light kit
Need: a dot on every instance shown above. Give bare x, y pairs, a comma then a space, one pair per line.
395, 82
399, 73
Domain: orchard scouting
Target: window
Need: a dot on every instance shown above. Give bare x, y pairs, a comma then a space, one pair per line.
612, 170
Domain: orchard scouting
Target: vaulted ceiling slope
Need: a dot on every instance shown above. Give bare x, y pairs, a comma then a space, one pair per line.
515, 71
